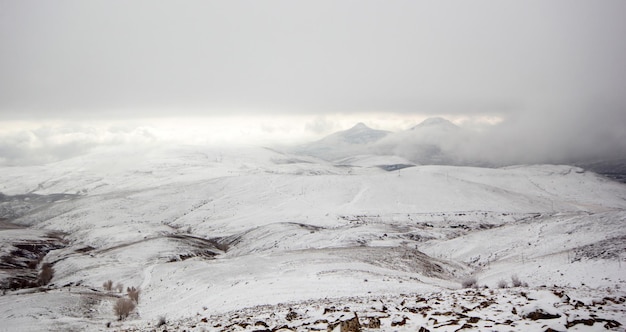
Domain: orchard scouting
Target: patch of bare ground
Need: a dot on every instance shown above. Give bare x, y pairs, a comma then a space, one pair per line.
21, 264
610, 248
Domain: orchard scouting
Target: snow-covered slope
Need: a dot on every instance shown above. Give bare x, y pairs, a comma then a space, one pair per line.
206, 231
435, 141
359, 139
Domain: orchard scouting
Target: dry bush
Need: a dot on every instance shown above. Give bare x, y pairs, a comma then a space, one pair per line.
502, 284
515, 281
470, 282
162, 321
119, 287
133, 294
46, 274
107, 285
123, 307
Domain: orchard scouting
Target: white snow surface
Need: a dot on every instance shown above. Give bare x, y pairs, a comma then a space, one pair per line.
207, 232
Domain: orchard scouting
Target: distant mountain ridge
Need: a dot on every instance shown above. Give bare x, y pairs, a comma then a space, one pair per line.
359, 134
435, 141
438, 122
420, 144
357, 140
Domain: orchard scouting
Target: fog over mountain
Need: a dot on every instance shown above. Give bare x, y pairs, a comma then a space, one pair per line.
521, 139
439, 141
280, 165
80, 75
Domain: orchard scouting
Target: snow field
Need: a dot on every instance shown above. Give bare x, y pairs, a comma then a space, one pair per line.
208, 232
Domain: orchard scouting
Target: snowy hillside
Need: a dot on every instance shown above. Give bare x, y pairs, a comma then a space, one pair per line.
359, 139
255, 239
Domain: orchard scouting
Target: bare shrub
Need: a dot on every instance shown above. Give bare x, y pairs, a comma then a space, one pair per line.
502, 284
46, 274
107, 285
123, 307
133, 293
469, 282
162, 321
119, 287
515, 281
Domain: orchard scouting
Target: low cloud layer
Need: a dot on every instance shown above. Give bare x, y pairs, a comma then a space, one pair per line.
553, 137
550, 74
49, 144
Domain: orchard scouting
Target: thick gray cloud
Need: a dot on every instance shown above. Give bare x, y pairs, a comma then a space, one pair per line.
553, 71
86, 59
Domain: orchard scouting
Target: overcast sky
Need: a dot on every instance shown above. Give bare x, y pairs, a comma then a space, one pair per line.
305, 68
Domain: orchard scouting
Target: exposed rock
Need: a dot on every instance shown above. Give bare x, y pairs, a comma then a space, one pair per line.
588, 322
291, 315
348, 325
465, 326
541, 314
351, 325
610, 323
261, 323
373, 323
397, 321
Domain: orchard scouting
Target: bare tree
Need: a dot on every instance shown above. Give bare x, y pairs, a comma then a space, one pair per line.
515, 281
123, 307
133, 293
470, 282
46, 274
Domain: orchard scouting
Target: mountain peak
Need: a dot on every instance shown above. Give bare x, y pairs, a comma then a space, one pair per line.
360, 126
361, 134
435, 122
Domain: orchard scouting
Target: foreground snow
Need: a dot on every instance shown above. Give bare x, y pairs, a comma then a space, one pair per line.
518, 309
223, 239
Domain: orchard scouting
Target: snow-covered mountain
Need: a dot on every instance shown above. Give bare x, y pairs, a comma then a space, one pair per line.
354, 141
436, 123
437, 141
434, 141
359, 134
251, 238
